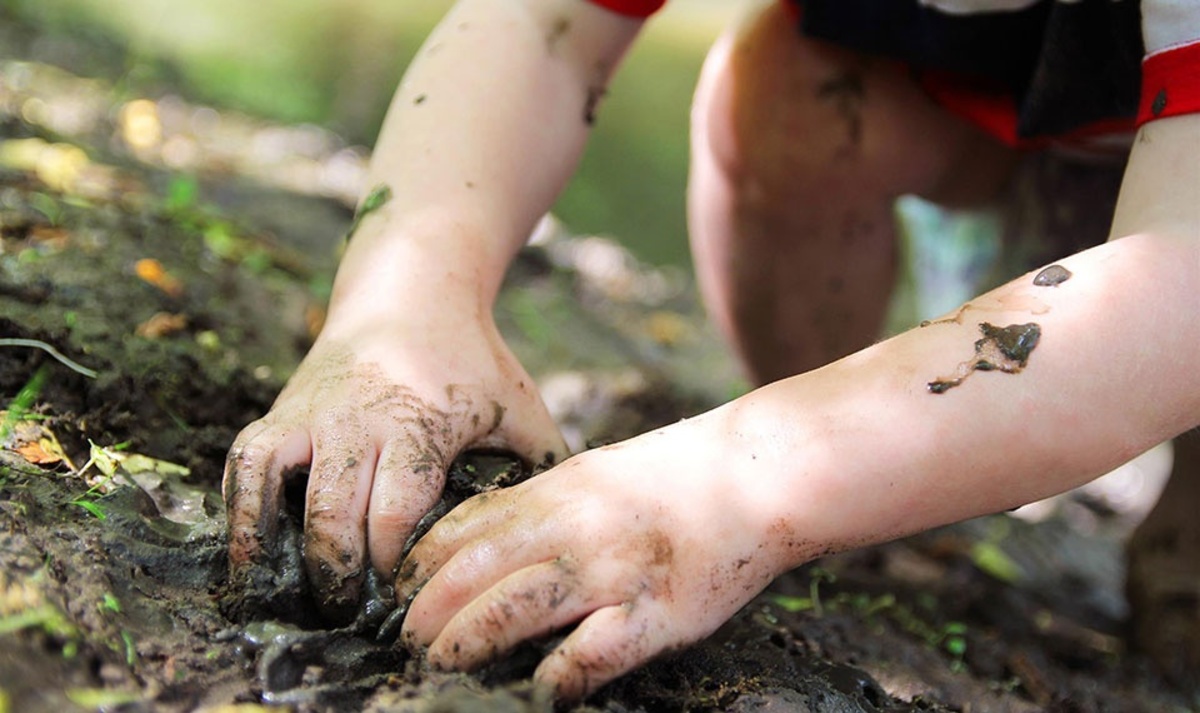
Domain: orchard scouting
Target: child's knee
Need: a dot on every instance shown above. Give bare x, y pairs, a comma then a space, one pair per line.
752, 118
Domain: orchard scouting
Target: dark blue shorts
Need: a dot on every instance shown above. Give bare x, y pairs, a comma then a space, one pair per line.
1051, 70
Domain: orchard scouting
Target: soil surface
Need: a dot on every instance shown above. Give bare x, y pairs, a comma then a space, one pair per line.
177, 320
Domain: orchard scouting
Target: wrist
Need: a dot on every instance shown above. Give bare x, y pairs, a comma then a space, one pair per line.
407, 281
824, 475
775, 467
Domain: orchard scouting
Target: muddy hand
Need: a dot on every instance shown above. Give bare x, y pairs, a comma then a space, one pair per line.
647, 545
376, 419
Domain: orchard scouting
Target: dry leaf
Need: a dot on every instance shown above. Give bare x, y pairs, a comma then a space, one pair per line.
34, 442
162, 324
49, 236
153, 272
41, 452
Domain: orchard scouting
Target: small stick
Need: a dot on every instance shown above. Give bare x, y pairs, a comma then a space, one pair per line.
38, 344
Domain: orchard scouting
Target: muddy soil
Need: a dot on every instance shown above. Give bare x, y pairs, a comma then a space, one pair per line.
177, 321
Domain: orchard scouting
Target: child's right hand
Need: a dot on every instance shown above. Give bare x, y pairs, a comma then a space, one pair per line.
377, 412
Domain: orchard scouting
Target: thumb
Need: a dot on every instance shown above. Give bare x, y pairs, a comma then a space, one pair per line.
410, 476
526, 429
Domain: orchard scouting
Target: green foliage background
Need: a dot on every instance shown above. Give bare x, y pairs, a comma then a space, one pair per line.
336, 63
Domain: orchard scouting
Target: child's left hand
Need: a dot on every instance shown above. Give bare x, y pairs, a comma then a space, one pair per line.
649, 545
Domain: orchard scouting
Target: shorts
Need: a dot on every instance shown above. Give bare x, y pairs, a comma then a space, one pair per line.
1053, 72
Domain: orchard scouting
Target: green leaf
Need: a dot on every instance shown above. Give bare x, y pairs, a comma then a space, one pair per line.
104, 460
792, 604
181, 193
101, 697
992, 560
376, 199
91, 507
111, 603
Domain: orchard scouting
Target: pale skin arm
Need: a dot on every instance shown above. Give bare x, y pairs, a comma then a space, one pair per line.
409, 370
483, 132
654, 542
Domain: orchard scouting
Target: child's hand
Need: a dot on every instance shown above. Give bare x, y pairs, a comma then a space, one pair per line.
379, 412
649, 544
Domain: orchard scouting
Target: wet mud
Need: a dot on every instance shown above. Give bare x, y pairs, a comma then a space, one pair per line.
1052, 276
1003, 349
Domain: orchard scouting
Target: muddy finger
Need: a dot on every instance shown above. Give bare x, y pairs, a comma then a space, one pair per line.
255, 471
339, 489
527, 430
530, 603
400, 496
458, 575
607, 644
472, 533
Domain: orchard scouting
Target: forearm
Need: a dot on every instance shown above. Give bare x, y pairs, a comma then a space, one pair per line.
866, 452
482, 133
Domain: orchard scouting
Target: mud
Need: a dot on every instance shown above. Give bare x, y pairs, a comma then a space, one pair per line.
1004, 349
116, 598
376, 198
1052, 276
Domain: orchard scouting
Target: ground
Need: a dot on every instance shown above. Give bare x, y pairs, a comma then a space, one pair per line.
146, 315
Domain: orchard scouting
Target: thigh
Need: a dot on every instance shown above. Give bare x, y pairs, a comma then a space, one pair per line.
1054, 206
787, 113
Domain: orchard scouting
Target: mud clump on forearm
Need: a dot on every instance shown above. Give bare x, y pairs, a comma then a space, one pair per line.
1004, 349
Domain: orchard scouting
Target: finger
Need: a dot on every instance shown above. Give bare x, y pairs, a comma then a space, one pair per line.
608, 643
253, 485
478, 531
459, 575
525, 428
402, 492
529, 603
339, 488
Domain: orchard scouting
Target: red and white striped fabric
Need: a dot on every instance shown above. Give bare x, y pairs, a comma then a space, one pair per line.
1171, 68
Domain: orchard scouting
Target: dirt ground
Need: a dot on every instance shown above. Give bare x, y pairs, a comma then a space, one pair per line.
178, 306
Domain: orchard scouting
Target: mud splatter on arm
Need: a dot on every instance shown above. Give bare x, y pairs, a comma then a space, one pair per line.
1004, 349
376, 199
1052, 276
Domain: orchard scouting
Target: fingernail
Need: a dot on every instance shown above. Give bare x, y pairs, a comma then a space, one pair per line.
389, 631
406, 580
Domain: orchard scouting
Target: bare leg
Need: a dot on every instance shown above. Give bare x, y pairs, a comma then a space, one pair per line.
799, 149
1164, 570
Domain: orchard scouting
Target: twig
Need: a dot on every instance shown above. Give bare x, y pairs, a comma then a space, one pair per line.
38, 344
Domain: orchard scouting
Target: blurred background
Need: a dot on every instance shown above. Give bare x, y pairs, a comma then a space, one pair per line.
335, 64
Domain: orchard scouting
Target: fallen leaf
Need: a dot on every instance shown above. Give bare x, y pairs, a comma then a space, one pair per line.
49, 236
34, 442
152, 271
41, 452
162, 324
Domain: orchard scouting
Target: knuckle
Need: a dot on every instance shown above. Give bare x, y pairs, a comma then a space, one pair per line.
329, 512
394, 522
249, 456
338, 417
495, 616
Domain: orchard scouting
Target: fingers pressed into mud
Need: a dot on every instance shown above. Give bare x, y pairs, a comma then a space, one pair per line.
454, 576
253, 484
529, 431
529, 603
335, 542
405, 488
608, 643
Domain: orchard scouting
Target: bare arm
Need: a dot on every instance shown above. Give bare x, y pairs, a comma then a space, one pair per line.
1112, 375
654, 542
409, 370
485, 129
